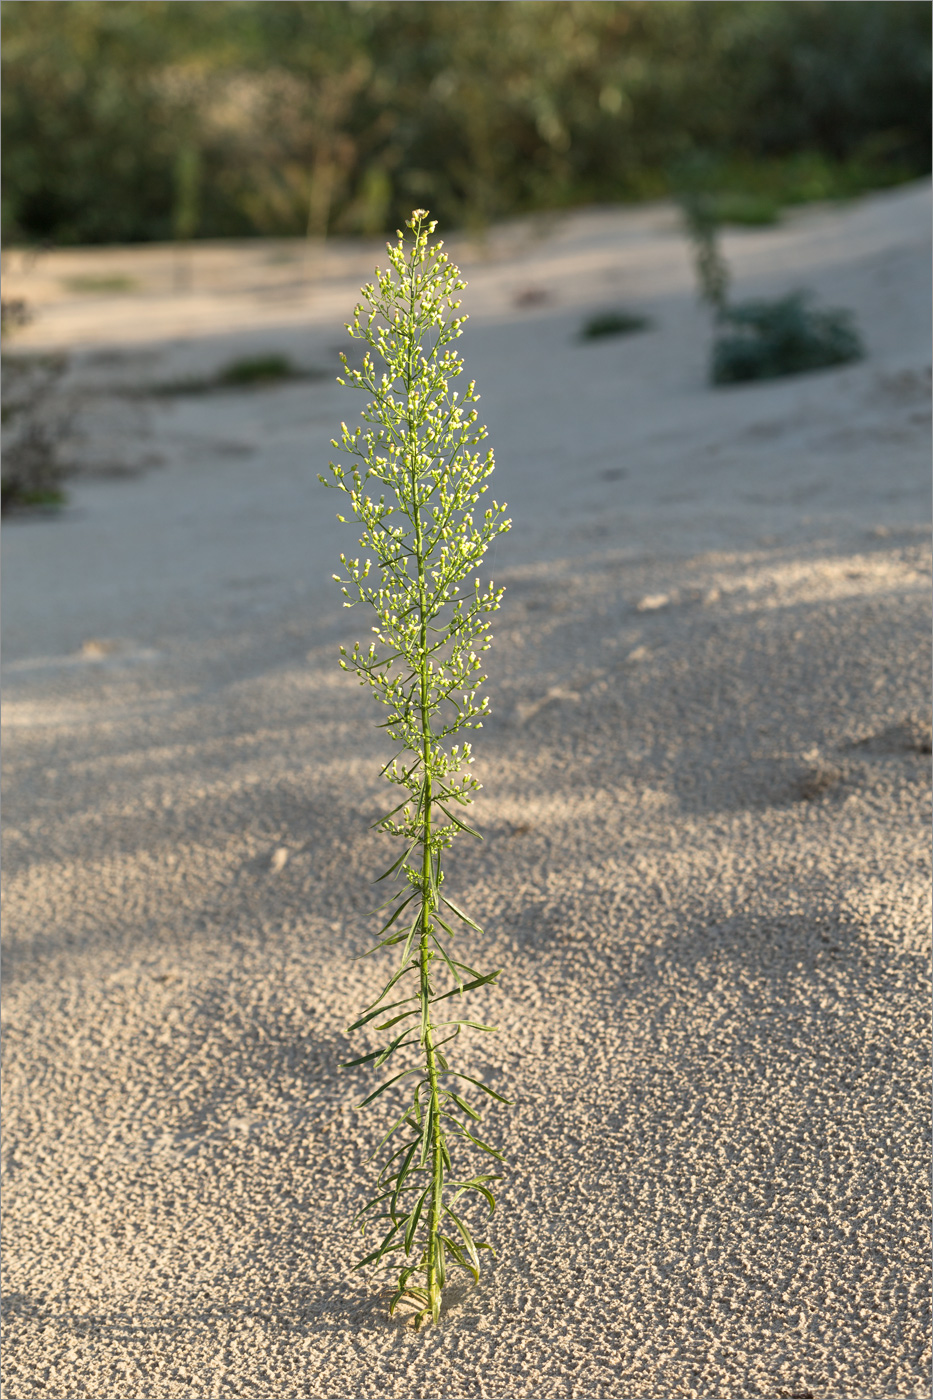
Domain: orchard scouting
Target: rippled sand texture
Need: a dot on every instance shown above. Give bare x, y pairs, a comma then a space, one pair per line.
705, 871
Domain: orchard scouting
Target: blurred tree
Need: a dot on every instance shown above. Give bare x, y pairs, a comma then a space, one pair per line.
187, 181
830, 77
338, 116
84, 137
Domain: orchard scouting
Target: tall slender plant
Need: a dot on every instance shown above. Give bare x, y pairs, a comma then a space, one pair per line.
432, 625
702, 223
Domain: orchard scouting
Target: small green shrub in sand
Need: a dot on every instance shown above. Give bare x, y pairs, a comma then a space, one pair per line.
415, 489
769, 339
100, 284
35, 423
32, 474
259, 369
613, 323
14, 313
254, 370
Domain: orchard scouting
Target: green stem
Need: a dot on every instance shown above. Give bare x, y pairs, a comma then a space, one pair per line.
434, 1271
434, 1266
437, 1166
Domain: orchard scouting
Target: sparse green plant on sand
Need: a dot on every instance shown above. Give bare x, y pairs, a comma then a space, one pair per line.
36, 418
258, 369
613, 323
101, 284
14, 313
415, 489
769, 339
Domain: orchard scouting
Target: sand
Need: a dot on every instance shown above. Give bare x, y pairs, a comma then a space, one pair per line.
705, 872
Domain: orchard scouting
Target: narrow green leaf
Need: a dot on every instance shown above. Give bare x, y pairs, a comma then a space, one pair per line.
392, 868
379, 1011
467, 1238
478, 1142
443, 951
457, 822
392, 1131
387, 1085
390, 942
480, 1085
362, 1060
400, 1017
384, 1248
490, 1199
387, 815
402, 1280
466, 986
473, 1025
460, 914
388, 924
470, 970
411, 935
396, 976
398, 1044
464, 1106
413, 1220
393, 759
402, 1174
418, 1294
379, 1253
391, 1158
458, 1255
425, 1146
369, 1205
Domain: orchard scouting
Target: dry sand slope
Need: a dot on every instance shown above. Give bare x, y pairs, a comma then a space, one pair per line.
705, 871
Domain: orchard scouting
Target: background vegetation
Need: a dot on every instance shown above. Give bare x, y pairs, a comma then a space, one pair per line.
135, 121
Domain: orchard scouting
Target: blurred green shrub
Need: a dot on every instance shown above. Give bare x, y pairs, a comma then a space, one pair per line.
100, 284
126, 120
35, 422
770, 339
747, 210
259, 369
613, 323
14, 312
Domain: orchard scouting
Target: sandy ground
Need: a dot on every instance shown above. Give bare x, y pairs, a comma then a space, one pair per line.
705, 872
